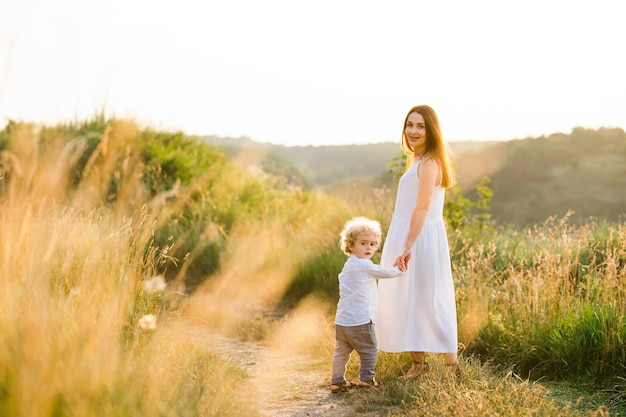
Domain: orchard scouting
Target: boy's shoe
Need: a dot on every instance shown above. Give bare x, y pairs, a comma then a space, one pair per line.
368, 384
341, 387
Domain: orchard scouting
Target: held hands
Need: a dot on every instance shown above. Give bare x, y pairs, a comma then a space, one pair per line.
402, 261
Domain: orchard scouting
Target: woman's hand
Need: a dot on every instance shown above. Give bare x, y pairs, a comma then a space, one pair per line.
402, 261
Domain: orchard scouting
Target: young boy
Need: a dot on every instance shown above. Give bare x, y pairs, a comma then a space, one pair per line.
354, 320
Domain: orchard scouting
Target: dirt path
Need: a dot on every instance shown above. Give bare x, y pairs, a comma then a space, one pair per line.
286, 385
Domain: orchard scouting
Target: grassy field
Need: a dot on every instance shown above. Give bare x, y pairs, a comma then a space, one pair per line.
106, 254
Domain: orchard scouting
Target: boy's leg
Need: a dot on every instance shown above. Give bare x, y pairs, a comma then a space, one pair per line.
364, 341
341, 356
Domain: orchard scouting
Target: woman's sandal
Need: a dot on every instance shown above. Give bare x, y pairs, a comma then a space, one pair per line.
368, 384
417, 370
341, 387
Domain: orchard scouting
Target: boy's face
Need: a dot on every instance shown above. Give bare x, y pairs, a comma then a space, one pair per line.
365, 245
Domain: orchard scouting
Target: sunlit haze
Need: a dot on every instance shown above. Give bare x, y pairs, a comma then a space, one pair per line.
316, 73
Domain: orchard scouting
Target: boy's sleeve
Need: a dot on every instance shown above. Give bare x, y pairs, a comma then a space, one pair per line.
378, 271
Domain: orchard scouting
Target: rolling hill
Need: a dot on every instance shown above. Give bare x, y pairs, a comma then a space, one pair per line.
532, 179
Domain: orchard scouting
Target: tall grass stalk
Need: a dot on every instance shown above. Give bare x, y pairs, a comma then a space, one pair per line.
72, 273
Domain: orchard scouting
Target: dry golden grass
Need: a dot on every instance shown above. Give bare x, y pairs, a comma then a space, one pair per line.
72, 272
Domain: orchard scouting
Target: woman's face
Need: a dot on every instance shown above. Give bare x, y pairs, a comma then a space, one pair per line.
415, 132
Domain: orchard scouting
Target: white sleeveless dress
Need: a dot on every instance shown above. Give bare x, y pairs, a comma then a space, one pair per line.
417, 312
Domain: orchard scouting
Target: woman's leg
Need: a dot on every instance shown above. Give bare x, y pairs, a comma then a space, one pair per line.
419, 366
418, 356
452, 360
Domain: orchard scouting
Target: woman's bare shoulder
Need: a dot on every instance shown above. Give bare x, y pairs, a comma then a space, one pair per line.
429, 163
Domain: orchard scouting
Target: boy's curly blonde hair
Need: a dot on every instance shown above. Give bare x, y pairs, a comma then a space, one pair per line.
354, 227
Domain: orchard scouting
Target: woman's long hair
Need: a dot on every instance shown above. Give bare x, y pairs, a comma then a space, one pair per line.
435, 146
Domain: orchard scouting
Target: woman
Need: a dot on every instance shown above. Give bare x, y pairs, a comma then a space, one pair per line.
418, 314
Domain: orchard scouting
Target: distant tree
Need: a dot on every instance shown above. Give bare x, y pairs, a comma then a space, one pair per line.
397, 165
279, 166
469, 212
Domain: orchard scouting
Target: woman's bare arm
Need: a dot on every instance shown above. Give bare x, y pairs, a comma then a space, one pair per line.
428, 177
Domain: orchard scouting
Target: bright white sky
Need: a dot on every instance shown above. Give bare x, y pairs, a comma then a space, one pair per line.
317, 72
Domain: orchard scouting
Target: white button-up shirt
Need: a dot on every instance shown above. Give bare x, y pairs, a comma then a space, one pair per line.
358, 293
